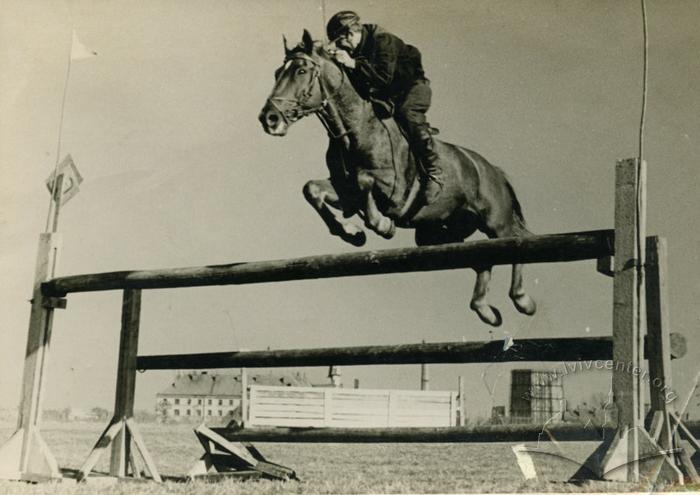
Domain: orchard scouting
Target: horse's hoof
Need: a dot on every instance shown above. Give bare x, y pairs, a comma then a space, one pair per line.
350, 233
525, 304
387, 232
357, 239
488, 314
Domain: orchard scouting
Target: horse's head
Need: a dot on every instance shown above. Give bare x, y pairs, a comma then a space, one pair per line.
299, 90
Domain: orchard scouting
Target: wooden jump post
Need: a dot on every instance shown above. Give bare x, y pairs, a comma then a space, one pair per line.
617, 458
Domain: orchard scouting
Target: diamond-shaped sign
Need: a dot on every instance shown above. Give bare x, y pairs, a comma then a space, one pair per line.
71, 179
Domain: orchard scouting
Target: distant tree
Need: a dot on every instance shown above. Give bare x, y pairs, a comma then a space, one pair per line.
143, 416
100, 413
597, 410
162, 411
65, 414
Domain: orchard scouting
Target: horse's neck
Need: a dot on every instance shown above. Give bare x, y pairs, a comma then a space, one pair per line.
351, 114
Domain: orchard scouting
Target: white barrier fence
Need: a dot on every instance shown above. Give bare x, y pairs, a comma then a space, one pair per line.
361, 408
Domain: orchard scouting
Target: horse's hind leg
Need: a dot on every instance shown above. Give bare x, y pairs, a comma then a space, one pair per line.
488, 314
432, 234
320, 194
522, 301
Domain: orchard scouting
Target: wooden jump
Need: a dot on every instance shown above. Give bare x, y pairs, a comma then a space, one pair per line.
548, 248
639, 302
550, 350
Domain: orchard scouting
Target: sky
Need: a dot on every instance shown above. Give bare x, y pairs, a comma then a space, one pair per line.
162, 125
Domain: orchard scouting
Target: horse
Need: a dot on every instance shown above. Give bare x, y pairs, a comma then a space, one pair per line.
374, 174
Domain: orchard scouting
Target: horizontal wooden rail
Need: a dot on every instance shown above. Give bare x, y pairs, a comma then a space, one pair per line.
536, 249
562, 349
485, 433
551, 350
490, 433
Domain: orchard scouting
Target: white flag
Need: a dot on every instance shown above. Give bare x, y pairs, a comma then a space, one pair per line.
79, 51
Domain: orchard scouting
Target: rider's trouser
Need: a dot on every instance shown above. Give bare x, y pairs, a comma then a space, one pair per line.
410, 114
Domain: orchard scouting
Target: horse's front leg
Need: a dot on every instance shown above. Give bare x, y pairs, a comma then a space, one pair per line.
374, 219
320, 194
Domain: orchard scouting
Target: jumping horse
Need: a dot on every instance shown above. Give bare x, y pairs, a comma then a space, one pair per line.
373, 173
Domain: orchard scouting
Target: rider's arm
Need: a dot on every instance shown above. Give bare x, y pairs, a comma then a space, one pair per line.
379, 72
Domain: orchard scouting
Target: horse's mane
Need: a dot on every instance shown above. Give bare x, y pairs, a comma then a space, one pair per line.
320, 48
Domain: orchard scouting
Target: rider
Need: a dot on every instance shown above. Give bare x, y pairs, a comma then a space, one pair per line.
384, 68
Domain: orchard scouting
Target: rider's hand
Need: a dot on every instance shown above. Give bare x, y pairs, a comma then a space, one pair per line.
344, 58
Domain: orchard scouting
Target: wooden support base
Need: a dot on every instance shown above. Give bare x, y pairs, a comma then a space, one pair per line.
39, 464
655, 465
685, 460
223, 458
119, 434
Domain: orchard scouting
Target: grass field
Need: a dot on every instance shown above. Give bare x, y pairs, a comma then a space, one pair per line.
324, 468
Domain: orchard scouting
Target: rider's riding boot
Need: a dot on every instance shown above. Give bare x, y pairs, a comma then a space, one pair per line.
432, 174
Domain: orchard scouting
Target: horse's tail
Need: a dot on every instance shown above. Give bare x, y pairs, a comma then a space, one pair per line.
518, 216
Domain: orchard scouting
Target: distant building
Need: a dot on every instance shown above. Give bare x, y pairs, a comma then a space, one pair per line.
536, 396
204, 395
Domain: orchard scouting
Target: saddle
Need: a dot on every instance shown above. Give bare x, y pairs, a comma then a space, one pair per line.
385, 110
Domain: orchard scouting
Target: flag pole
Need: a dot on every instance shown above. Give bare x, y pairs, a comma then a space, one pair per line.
53, 205
323, 18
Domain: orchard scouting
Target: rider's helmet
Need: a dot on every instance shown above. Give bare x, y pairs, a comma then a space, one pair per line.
341, 23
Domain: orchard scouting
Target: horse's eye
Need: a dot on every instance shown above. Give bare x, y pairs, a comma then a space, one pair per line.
301, 72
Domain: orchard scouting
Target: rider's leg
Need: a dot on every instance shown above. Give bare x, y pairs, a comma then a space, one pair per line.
411, 116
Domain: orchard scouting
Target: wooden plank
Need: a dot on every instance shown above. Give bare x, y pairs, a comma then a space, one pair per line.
101, 445
605, 265
128, 350
288, 401
391, 408
287, 423
628, 294
289, 409
36, 358
539, 350
685, 431
443, 413
141, 446
245, 407
494, 433
287, 414
121, 449
535, 249
126, 377
327, 407
658, 336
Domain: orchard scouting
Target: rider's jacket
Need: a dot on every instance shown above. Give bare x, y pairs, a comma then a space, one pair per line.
385, 66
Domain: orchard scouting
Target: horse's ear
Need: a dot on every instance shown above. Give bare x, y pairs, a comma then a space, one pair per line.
287, 51
307, 42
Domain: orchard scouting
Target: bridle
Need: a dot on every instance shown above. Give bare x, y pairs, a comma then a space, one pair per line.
293, 109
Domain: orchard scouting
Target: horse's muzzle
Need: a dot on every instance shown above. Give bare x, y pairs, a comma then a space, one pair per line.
272, 120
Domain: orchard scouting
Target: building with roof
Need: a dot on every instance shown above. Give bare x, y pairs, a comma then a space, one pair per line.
207, 396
